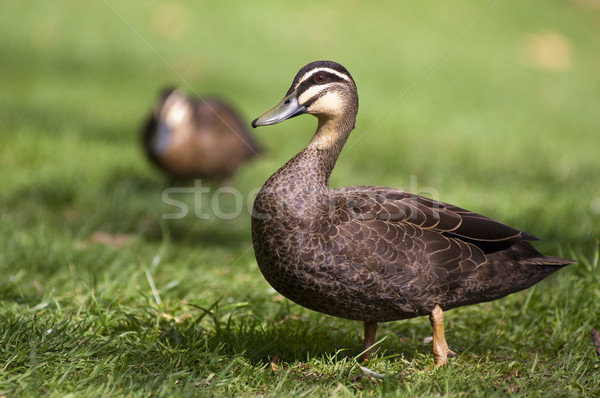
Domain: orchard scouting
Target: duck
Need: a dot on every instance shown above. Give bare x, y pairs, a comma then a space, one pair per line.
196, 138
369, 253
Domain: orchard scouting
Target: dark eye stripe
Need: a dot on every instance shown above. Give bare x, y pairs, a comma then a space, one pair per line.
310, 81
327, 77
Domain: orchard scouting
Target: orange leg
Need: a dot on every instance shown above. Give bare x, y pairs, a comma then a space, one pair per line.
370, 330
441, 352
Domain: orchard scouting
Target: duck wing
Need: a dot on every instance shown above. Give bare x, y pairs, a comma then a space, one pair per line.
394, 206
418, 252
230, 124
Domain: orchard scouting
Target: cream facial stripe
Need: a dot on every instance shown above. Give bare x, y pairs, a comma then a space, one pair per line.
328, 70
312, 92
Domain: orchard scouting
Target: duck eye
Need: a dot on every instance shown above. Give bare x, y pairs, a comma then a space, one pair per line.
320, 78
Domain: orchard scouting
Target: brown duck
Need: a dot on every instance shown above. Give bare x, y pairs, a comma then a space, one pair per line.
375, 254
196, 138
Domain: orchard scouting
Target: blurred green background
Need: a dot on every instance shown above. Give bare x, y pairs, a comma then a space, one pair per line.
504, 121
492, 106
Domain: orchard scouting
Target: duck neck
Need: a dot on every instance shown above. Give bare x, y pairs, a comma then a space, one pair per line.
301, 187
327, 144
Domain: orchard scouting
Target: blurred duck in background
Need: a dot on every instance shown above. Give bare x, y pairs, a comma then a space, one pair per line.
196, 138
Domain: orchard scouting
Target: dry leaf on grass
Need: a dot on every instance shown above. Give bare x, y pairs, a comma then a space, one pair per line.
589, 3
113, 240
546, 50
371, 373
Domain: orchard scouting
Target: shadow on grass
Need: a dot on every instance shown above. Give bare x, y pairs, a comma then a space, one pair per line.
292, 336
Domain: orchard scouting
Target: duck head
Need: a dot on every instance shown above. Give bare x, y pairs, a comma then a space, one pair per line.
324, 89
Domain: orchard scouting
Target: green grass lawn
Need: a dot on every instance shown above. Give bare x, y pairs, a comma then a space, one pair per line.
492, 106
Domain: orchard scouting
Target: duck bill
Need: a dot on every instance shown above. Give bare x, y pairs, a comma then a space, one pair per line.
287, 108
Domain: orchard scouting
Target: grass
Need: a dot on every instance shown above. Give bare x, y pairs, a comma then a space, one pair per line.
100, 295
